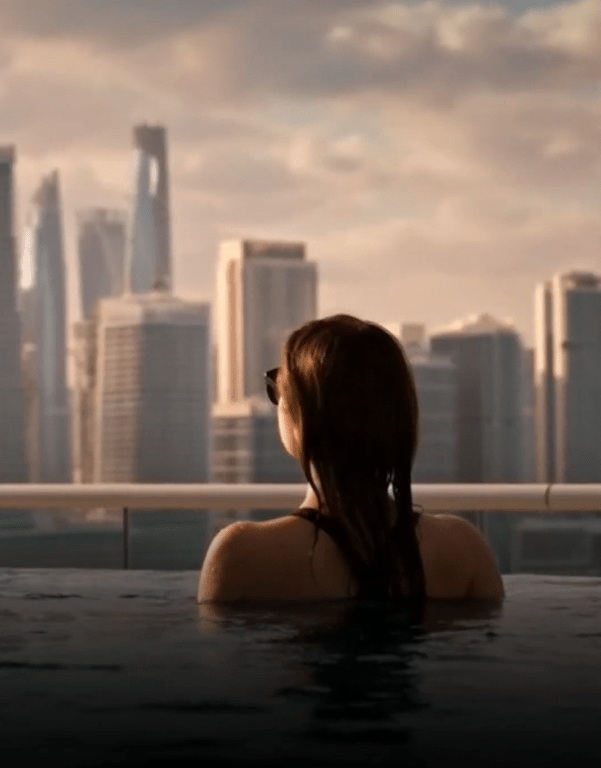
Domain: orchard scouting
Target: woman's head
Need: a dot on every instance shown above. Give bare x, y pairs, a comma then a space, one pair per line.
348, 412
348, 403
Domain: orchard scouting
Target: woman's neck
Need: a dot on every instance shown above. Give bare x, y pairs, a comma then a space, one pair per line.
312, 501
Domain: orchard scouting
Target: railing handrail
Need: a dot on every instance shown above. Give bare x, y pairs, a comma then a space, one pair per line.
460, 497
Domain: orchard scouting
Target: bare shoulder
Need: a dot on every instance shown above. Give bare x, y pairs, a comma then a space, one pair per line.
223, 574
467, 543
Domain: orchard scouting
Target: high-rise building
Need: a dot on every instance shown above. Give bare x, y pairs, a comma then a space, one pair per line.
51, 431
568, 378
152, 390
489, 359
436, 386
13, 465
149, 238
544, 385
101, 241
528, 431
84, 347
264, 291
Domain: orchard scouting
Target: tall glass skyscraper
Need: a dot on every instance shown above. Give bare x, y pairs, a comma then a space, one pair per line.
152, 390
264, 291
149, 238
568, 378
51, 431
13, 464
489, 360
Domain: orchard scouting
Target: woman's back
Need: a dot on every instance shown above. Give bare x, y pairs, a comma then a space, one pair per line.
270, 561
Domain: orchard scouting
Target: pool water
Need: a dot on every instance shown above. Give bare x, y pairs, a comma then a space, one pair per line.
120, 668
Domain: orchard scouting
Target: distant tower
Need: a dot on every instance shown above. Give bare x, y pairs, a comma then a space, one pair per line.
264, 291
101, 254
49, 331
568, 378
152, 390
435, 379
13, 466
489, 359
149, 240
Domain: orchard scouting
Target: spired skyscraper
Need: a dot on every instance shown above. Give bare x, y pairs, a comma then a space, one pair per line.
568, 378
264, 291
50, 428
101, 241
148, 264
13, 465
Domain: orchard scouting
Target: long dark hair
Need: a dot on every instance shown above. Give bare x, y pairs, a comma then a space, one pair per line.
351, 394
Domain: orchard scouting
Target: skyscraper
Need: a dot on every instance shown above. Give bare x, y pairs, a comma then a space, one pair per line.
152, 390
84, 389
45, 241
436, 385
568, 378
149, 238
489, 359
13, 466
264, 291
101, 254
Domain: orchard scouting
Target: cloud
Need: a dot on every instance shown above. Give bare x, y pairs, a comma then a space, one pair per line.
229, 50
402, 142
112, 21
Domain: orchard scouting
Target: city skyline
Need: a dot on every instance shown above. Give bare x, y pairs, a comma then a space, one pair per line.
403, 137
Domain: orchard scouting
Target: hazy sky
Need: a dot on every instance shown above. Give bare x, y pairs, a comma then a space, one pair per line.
438, 158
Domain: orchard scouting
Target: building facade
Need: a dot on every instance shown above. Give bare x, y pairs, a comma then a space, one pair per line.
149, 237
101, 238
489, 360
264, 291
568, 378
152, 390
84, 400
51, 412
13, 464
436, 386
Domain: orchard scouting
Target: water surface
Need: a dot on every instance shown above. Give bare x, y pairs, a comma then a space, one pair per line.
101, 667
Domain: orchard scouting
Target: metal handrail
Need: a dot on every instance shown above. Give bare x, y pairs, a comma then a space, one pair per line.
458, 497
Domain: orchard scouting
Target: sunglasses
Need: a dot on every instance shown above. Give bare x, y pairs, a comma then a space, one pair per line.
271, 386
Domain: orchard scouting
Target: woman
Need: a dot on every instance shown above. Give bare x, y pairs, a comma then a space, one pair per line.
347, 411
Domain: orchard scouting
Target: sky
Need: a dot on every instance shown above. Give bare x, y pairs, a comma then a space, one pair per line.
438, 159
